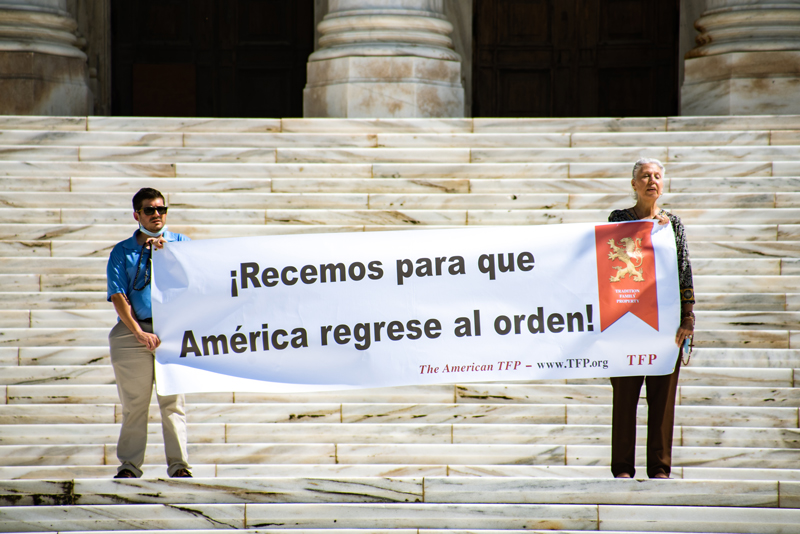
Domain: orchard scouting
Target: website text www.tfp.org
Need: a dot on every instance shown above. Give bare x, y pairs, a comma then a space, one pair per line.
575, 363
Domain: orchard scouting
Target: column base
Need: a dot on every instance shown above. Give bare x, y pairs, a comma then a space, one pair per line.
383, 86
742, 83
34, 83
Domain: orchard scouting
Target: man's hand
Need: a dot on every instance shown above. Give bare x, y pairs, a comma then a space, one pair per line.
151, 341
156, 242
125, 312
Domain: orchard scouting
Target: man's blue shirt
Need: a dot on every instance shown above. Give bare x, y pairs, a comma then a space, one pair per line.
122, 265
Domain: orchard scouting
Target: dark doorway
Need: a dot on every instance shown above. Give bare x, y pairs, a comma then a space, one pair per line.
210, 58
575, 58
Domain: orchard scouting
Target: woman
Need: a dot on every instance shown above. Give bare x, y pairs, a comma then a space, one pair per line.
648, 184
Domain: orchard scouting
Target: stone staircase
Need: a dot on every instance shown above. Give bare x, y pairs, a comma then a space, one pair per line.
434, 459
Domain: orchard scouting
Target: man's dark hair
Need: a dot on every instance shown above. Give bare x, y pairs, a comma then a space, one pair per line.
146, 193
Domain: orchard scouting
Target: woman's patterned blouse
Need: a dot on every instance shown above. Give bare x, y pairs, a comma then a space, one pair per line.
684, 266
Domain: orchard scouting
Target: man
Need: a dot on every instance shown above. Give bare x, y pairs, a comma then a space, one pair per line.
133, 343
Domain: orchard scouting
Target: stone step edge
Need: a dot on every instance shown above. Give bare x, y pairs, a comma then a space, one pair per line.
362, 517
415, 125
452, 470
400, 530
463, 490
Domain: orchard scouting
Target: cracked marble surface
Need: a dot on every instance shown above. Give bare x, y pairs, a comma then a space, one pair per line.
143, 516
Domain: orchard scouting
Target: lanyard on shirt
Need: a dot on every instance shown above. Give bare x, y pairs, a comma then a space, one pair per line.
147, 269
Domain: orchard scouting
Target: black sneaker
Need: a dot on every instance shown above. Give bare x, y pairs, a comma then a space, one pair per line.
181, 473
125, 473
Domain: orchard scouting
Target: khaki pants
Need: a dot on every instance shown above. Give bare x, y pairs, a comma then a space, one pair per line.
134, 368
661, 391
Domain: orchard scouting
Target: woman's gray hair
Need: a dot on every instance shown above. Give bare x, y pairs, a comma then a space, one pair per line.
641, 162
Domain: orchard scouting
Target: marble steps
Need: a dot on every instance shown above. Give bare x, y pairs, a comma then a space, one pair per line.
96, 300
383, 185
527, 418
748, 368
403, 518
395, 140
492, 402
746, 236
419, 433
78, 138
744, 284
509, 490
465, 125
49, 138
542, 404
118, 232
667, 154
181, 201
736, 172
157, 471
609, 154
404, 154
53, 283
266, 452
742, 249
107, 394
626, 124
63, 248
137, 124
473, 140
746, 357
359, 215
711, 406
741, 426
179, 139
720, 320
576, 140
719, 301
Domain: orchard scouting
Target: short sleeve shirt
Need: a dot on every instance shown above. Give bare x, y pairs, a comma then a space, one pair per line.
123, 264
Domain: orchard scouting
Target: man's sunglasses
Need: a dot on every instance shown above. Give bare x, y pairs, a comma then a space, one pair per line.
150, 210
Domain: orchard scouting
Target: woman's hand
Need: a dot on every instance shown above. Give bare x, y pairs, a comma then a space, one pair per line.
685, 330
662, 219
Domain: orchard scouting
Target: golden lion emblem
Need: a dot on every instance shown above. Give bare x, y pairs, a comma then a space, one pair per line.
631, 255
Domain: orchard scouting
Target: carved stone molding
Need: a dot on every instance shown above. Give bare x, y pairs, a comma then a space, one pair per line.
747, 59
42, 68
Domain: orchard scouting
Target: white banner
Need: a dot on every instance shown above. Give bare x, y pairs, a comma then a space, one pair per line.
361, 310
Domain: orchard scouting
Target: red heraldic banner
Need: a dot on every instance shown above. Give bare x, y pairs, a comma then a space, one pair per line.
626, 272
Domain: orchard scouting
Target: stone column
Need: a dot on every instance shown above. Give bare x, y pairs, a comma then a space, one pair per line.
42, 70
384, 58
747, 59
